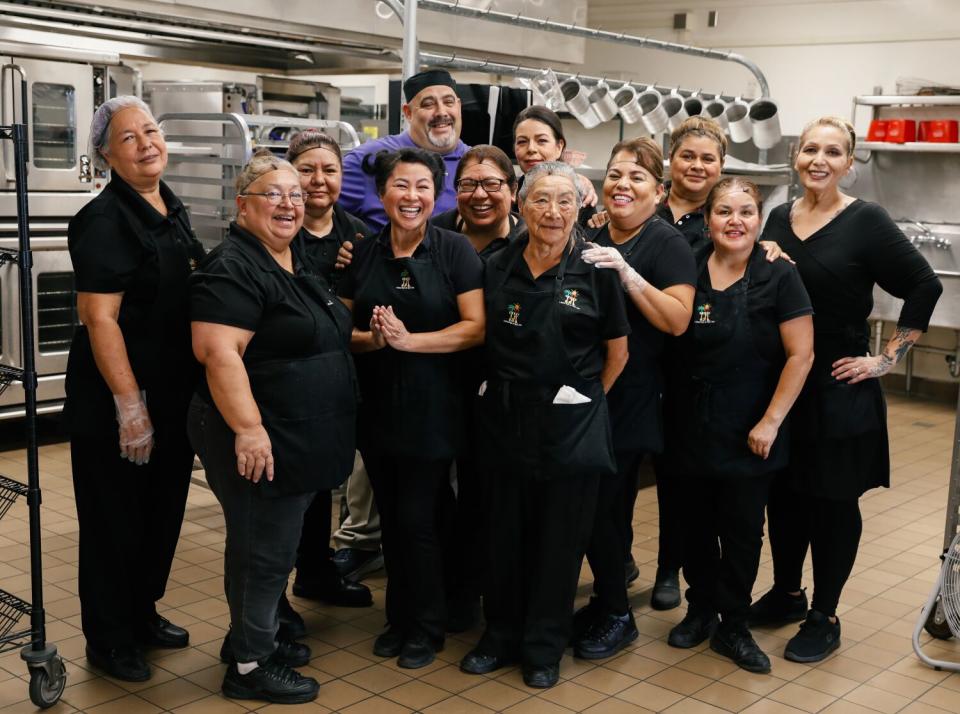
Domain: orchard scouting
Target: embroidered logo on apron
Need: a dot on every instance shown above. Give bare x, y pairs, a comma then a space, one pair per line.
405, 280
570, 298
703, 314
513, 314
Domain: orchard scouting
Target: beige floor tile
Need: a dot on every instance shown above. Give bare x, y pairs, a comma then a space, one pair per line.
841, 706
726, 696
605, 680
88, 694
130, 704
800, 697
456, 705
679, 680
211, 705
416, 694
174, 693
572, 696
649, 695
694, 706
877, 699
495, 695
827, 682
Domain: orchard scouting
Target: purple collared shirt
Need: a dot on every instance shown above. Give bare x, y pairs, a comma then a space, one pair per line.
358, 194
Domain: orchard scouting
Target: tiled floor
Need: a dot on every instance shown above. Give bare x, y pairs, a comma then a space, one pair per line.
874, 671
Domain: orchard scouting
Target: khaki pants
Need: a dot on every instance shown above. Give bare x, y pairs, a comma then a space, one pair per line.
361, 529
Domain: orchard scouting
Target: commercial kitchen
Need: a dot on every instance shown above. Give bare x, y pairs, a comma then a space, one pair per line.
226, 81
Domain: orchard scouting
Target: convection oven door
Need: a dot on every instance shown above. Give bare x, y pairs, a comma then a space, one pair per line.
59, 109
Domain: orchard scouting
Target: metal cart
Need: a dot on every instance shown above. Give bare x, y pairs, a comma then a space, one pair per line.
47, 673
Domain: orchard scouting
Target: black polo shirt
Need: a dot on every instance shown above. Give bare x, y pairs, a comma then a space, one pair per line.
119, 243
600, 312
451, 221
663, 258
320, 252
239, 284
692, 225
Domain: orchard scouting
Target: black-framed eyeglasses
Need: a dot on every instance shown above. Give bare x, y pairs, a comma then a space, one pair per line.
490, 185
274, 197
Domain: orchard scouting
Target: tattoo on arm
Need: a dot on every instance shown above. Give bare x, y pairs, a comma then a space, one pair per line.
884, 365
904, 343
900, 344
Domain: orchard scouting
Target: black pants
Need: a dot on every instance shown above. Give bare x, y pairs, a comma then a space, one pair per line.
314, 554
612, 534
672, 506
262, 536
724, 538
832, 531
408, 493
538, 531
129, 518
464, 515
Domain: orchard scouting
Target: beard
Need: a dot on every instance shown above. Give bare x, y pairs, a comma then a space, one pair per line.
442, 143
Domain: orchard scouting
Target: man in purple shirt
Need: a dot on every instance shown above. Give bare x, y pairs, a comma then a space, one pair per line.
432, 112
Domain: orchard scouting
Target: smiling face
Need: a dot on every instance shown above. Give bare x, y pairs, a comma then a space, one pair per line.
695, 167
630, 192
136, 150
483, 209
434, 118
273, 225
408, 196
734, 221
823, 158
320, 177
533, 142
550, 210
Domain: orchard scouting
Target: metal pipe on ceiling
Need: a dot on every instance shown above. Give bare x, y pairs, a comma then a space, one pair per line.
455, 8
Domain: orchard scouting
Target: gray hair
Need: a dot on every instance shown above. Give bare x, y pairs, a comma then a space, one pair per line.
262, 162
551, 168
100, 126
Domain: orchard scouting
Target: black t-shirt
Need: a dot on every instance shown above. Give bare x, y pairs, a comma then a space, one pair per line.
599, 315
451, 221
120, 244
239, 284
320, 252
664, 259
692, 225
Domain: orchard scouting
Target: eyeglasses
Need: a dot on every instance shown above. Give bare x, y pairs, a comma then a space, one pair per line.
490, 185
274, 197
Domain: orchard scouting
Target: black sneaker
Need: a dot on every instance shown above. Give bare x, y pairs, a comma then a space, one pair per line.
270, 682
630, 571
778, 608
583, 619
290, 654
126, 663
817, 638
388, 643
695, 627
738, 644
666, 590
354, 564
417, 651
606, 637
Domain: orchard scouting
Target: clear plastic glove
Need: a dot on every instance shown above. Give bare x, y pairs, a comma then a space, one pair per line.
612, 259
136, 429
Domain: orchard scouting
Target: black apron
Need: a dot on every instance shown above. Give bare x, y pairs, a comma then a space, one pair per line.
411, 402
521, 429
309, 404
726, 389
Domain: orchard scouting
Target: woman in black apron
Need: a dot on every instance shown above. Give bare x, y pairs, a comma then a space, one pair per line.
130, 366
742, 363
274, 421
415, 293
326, 227
556, 341
843, 247
656, 268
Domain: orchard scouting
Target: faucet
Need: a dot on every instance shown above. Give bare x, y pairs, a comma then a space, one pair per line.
926, 235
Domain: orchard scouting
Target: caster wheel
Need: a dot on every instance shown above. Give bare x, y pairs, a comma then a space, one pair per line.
45, 691
936, 624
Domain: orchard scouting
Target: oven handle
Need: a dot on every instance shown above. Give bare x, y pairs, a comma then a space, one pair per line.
7, 154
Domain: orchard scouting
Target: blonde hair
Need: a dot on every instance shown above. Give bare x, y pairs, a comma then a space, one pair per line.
698, 127
837, 123
730, 184
262, 162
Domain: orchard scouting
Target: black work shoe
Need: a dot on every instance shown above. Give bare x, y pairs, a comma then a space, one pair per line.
738, 644
666, 590
477, 662
158, 631
354, 564
606, 637
778, 608
630, 571
541, 676
417, 652
292, 627
126, 663
289, 654
338, 591
463, 614
696, 626
583, 619
388, 643
817, 638
270, 682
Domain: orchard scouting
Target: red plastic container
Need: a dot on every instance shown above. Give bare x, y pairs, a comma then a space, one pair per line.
939, 130
900, 131
877, 131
